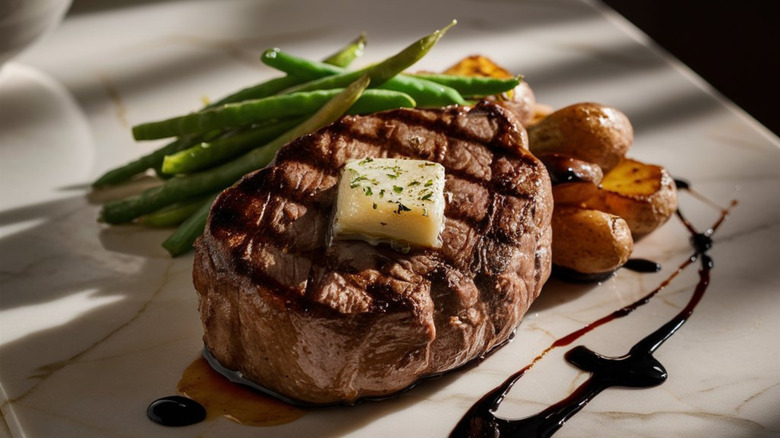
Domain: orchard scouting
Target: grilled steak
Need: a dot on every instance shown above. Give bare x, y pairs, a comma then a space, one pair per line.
323, 324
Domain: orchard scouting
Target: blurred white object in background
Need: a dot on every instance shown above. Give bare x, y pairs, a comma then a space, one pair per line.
22, 22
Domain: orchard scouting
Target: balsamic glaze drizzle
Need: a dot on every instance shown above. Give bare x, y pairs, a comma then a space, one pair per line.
638, 368
642, 265
176, 411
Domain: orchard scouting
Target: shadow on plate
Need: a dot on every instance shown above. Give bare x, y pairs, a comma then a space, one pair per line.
556, 292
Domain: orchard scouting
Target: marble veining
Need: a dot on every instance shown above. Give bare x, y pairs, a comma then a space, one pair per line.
124, 321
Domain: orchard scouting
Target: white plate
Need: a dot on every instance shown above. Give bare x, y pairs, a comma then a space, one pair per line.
97, 322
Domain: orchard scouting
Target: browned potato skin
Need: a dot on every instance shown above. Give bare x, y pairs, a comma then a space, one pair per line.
643, 194
589, 241
588, 131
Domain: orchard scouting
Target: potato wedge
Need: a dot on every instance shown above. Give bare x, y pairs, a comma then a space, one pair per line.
478, 65
643, 194
589, 242
588, 131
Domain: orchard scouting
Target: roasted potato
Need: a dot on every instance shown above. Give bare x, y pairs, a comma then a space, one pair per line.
574, 181
602, 200
643, 194
589, 242
566, 169
588, 131
521, 101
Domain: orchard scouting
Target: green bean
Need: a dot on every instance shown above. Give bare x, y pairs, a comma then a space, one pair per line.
472, 86
172, 191
379, 100
328, 82
425, 93
123, 173
207, 154
390, 67
173, 214
310, 70
298, 67
192, 140
408, 56
259, 91
154, 159
182, 239
342, 58
381, 72
151, 160
259, 110
222, 176
345, 56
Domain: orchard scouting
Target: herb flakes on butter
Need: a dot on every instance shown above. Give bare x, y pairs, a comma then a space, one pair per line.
394, 200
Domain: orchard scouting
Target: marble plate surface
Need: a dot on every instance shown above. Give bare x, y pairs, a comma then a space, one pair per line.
96, 322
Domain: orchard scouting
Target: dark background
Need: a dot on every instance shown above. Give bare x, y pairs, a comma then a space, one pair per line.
733, 45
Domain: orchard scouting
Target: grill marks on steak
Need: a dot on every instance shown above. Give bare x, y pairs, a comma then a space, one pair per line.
296, 197
267, 235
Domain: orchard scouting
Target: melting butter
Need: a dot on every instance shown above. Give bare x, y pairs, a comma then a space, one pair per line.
394, 200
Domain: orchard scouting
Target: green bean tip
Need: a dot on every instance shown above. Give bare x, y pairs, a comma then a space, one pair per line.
447, 27
271, 53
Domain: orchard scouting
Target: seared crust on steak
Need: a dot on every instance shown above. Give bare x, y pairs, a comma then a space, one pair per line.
333, 324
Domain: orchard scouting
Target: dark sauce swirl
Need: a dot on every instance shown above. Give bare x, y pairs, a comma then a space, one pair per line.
642, 265
637, 369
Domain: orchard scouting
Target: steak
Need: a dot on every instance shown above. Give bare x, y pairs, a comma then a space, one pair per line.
321, 322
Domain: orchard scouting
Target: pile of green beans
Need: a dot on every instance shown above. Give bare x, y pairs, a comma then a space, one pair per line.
213, 147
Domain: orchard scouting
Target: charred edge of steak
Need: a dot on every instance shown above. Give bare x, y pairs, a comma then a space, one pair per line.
238, 378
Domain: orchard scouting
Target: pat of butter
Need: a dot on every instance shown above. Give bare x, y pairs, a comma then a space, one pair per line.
391, 200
